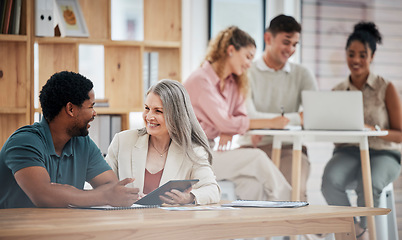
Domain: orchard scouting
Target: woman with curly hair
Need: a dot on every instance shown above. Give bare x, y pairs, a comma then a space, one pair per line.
217, 91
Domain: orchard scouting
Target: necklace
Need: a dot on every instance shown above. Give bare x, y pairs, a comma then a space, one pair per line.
161, 153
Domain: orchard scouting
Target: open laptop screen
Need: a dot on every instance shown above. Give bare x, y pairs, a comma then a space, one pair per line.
333, 110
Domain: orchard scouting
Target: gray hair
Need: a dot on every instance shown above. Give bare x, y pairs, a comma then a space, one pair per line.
181, 122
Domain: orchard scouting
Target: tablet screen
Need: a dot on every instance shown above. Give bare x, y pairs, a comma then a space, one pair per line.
153, 197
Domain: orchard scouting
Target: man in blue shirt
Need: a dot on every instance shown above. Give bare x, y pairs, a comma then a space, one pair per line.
46, 164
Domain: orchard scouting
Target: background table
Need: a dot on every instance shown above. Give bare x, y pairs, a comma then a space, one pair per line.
35, 223
298, 137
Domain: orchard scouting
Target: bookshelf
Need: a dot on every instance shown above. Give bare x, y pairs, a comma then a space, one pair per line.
123, 60
16, 61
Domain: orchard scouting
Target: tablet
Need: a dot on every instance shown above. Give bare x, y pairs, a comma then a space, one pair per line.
152, 198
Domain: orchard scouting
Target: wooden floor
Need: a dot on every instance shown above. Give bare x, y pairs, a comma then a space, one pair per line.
319, 154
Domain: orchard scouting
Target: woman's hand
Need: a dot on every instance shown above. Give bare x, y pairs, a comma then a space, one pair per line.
301, 118
141, 195
279, 122
225, 142
177, 197
255, 139
371, 127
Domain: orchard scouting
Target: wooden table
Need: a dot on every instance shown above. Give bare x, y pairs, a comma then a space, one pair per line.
298, 137
35, 223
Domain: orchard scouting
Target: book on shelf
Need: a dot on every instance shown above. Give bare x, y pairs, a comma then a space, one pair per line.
102, 130
7, 16
3, 4
115, 125
145, 73
104, 133
10, 16
16, 17
150, 70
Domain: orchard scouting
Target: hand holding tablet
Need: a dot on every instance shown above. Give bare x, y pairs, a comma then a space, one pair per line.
158, 196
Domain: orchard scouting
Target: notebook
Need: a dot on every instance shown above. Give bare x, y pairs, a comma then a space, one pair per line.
108, 207
333, 110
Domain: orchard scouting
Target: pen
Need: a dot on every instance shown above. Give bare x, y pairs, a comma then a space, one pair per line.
282, 111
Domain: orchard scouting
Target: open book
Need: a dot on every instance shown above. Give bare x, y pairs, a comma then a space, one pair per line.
265, 204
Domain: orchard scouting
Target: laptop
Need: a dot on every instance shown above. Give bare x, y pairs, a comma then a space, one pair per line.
333, 110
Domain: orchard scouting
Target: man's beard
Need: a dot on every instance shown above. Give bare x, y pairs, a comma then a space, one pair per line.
83, 131
78, 131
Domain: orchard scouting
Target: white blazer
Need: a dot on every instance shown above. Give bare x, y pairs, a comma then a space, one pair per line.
127, 156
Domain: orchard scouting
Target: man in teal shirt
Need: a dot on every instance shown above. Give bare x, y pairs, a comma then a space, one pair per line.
46, 164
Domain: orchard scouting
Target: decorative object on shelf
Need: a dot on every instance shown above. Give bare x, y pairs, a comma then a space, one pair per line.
44, 18
70, 19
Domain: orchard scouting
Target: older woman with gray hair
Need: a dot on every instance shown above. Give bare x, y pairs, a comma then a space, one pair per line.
171, 146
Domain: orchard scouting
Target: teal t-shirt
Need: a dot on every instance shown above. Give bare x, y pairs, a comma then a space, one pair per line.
32, 145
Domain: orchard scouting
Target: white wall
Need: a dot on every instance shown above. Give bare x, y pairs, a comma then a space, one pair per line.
194, 34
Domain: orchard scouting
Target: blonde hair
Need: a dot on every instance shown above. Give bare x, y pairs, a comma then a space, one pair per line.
217, 53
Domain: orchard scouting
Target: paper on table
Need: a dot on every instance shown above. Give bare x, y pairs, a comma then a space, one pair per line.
266, 204
197, 208
293, 127
287, 127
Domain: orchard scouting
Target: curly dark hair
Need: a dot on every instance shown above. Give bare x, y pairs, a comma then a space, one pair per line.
283, 23
61, 88
366, 33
